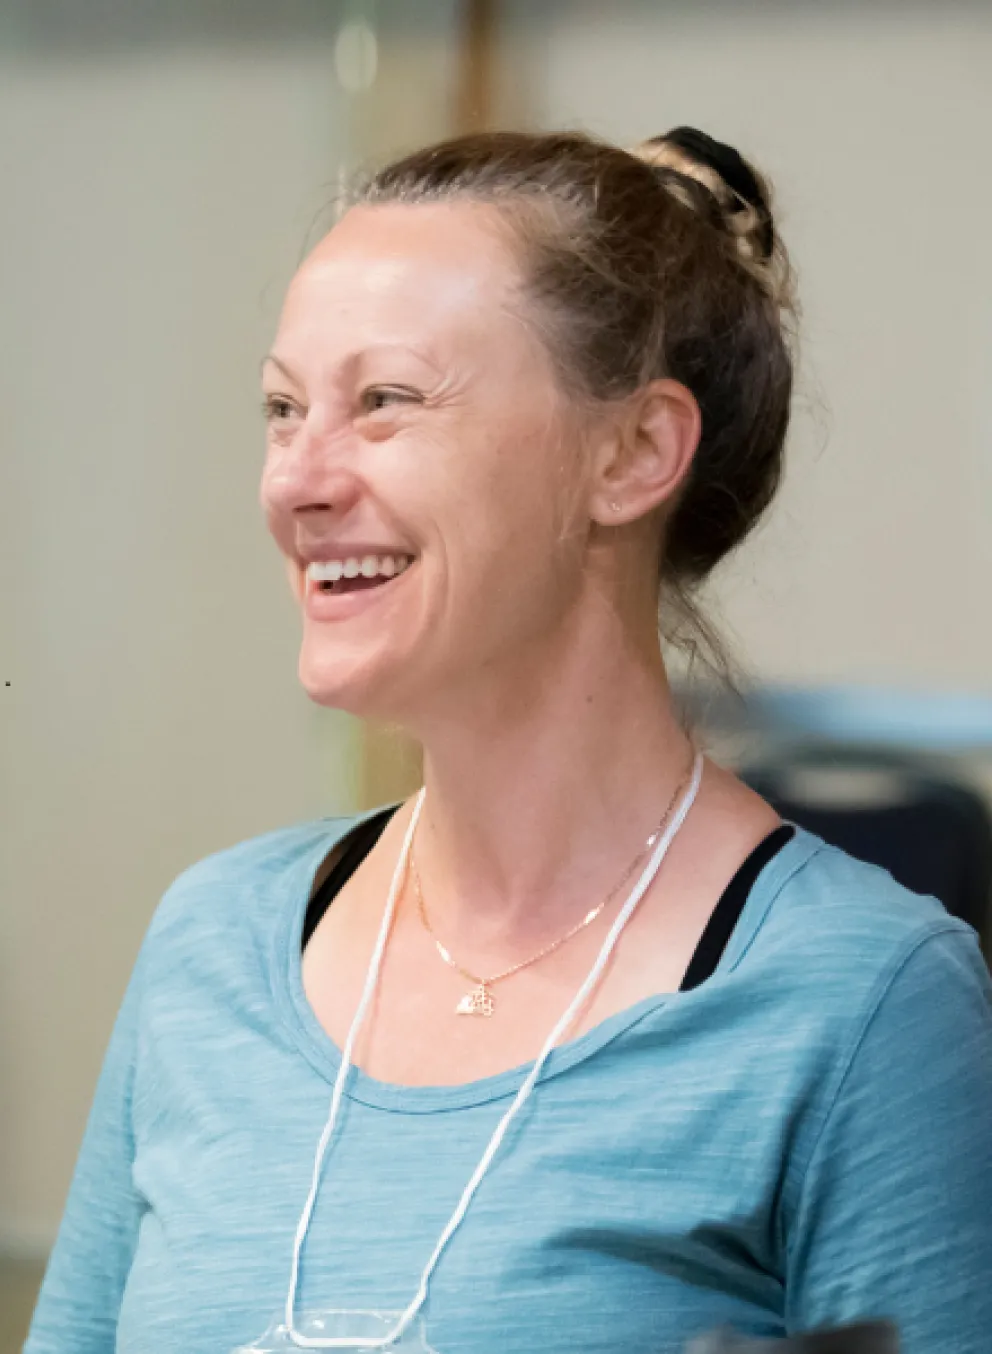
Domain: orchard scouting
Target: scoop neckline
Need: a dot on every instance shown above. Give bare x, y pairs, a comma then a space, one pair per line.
324, 1055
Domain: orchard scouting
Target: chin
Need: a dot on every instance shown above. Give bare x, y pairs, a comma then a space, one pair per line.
367, 689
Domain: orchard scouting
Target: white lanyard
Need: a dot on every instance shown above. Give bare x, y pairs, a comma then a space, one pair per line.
371, 982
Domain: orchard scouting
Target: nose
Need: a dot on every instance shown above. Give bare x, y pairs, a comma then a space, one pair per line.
307, 475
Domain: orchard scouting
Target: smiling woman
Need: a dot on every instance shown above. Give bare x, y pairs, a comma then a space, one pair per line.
581, 1048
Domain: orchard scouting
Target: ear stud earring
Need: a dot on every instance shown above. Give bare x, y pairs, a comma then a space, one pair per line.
617, 507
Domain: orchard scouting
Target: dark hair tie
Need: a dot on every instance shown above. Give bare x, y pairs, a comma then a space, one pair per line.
735, 172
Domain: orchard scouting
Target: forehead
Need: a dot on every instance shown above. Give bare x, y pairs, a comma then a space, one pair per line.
431, 276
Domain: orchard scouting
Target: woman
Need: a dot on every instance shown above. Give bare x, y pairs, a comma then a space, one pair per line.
613, 1056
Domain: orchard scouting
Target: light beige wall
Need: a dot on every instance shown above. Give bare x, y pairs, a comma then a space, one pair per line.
158, 193
154, 206
873, 120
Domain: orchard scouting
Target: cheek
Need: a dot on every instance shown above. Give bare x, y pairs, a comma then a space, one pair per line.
513, 539
275, 520
531, 495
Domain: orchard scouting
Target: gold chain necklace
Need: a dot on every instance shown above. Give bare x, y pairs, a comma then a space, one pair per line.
480, 1000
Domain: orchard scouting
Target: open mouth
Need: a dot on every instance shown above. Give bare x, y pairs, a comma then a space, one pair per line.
355, 573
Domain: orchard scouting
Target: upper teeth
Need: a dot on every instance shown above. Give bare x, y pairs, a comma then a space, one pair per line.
369, 566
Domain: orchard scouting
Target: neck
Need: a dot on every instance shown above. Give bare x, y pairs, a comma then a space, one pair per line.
540, 797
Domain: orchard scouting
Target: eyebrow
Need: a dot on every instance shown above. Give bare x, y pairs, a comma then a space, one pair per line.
271, 357
352, 358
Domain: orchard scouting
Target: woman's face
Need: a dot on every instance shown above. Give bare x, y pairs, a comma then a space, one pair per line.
415, 476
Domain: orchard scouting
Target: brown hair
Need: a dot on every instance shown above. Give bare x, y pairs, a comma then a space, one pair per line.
657, 262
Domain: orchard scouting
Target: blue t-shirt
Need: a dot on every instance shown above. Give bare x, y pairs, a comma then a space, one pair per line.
803, 1139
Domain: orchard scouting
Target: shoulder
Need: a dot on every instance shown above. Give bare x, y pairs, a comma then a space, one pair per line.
837, 933
244, 883
818, 899
853, 991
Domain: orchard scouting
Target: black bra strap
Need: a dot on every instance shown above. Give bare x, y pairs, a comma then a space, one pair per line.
726, 914
357, 846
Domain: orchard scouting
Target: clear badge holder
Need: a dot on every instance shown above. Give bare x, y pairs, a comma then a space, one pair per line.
358, 1328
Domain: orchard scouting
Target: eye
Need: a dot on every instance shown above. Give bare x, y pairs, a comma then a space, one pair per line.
277, 408
376, 398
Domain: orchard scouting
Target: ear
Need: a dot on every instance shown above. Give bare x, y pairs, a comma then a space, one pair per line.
643, 463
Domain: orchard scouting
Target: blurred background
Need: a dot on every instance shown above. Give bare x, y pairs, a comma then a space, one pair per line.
164, 165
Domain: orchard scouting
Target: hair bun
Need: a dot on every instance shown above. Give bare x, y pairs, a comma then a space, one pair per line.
741, 195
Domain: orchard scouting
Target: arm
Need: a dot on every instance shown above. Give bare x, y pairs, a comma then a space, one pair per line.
894, 1215
81, 1294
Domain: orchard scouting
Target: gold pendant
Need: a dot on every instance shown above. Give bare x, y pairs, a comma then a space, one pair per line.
478, 1002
